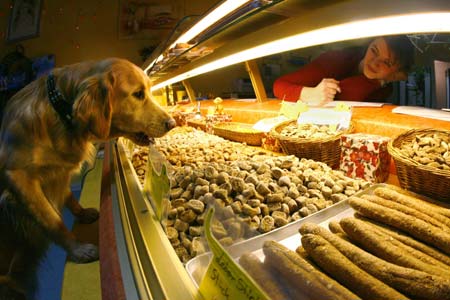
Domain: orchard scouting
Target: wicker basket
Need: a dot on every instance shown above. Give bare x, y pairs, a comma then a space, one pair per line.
327, 150
239, 132
197, 123
413, 176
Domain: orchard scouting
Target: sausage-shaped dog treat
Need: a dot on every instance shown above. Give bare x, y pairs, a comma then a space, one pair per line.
303, 254
383, 246
262, 275
413, 202
407, 240
407, 210
345, 271
300, 273
417, 228
415, 283
335, 227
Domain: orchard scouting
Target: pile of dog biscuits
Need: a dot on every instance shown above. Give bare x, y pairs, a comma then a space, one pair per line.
258, 191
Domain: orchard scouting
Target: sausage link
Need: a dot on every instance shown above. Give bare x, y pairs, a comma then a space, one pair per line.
415, 227
263, 277
345, 271
407, 240
335, 227
407, 210
415, 283
383, 246
425, 206
303, 275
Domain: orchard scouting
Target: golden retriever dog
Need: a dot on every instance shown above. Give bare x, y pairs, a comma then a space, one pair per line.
46, 134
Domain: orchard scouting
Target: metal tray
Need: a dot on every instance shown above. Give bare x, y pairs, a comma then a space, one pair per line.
287, 235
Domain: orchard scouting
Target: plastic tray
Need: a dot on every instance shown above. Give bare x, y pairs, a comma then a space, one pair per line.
287, 235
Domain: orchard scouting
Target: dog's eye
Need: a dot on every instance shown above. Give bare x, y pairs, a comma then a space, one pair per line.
139, 95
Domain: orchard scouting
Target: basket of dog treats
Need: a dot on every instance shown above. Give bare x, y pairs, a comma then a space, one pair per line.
199, 123
239, 132
317, 142
422, 160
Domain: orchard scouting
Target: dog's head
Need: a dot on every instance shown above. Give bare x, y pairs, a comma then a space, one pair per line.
115, 101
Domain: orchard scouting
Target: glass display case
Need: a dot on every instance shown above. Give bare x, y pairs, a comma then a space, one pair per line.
149, 268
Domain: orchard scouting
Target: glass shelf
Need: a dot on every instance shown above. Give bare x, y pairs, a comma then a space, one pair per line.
282, 19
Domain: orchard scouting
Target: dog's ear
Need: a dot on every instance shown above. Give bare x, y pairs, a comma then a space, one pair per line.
93, 105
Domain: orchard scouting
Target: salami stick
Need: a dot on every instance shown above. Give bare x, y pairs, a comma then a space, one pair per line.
335, 227
301, 251
425, 206
256, 269
385, 247
300, 273
415, 283
415, 227
345, 271
407, 240
407, 210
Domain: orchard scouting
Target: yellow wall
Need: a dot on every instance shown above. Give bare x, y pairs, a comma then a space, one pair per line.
96, 36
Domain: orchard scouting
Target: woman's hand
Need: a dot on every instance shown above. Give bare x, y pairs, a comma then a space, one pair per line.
323, 93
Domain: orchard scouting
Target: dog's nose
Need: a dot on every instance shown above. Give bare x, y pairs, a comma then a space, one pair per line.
170, 123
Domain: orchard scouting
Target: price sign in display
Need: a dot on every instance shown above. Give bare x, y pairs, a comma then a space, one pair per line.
342, 107
292, 110
157, 183
224, 280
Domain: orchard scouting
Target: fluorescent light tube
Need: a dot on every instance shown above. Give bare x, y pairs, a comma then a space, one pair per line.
397, 24
219, 12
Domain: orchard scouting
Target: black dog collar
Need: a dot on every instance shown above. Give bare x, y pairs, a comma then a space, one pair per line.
60, 105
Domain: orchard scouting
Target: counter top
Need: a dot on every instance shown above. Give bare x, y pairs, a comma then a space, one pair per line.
375, 120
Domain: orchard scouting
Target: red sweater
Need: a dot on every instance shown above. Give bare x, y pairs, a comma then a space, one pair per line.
341, 65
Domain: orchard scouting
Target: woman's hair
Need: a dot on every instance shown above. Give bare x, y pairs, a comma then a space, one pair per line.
403, 50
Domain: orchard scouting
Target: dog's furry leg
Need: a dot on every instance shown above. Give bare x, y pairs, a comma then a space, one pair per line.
46, 215
84, 215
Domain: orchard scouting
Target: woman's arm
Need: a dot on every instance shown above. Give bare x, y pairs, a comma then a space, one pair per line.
307, 83
323, 93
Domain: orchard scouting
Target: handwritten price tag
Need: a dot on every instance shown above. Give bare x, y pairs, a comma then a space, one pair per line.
342, 107
157, 183
292, 110
224, 280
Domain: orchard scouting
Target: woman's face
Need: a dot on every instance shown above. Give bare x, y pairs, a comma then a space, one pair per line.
379, 61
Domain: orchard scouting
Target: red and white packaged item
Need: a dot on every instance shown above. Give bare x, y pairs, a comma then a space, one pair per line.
365, 156
212, 120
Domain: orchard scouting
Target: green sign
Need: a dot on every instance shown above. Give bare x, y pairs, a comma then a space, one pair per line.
224, 279
292, 110
157, 183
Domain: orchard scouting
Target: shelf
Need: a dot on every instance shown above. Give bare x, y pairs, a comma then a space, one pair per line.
250, 17
291, 17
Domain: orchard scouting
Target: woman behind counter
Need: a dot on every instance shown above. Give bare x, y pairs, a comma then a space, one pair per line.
350, 74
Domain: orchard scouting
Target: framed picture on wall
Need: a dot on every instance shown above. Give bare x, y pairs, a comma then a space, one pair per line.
147, 19
24, 20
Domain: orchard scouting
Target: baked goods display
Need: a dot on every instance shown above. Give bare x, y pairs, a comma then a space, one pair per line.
265, 190
309, 131
429, 149
421, 159
393, 246
317, 142
239, 132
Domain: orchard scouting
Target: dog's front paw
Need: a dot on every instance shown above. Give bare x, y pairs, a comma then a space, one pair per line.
88, 215
83, 253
